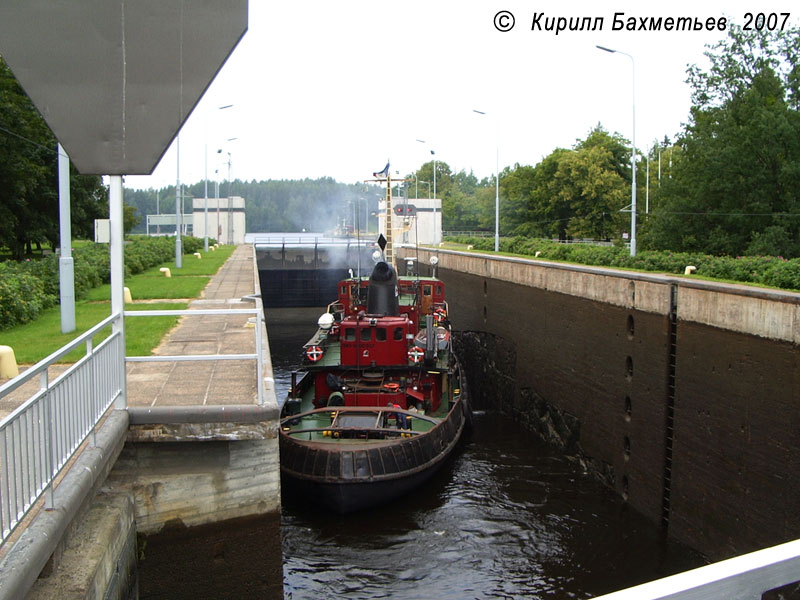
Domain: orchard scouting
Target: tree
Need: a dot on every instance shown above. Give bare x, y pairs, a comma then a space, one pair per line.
736, 184
571, 193
29, 177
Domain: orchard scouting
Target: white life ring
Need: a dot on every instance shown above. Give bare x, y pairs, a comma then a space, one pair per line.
314, 353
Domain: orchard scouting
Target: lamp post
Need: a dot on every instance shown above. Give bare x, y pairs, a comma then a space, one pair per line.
496, 183
633, 146
435, 237
205, 178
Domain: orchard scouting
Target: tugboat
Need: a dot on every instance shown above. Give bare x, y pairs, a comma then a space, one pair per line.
382, 402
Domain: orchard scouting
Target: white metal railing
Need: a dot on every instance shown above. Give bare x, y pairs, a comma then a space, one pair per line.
41, 435
744, 577
257, 355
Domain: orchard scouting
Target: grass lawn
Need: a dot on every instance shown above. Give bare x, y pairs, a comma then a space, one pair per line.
36, 340
191, 266
144, 287
186, 282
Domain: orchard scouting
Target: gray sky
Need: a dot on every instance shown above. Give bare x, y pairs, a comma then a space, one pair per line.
324, 88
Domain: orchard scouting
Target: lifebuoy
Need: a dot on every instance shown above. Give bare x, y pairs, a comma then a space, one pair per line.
415, 355
314, 353
392, 387
439, 315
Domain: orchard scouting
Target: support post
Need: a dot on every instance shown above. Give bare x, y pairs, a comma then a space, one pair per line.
66, 266
118, 277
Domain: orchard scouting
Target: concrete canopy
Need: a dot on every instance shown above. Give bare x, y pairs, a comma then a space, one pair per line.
115, 80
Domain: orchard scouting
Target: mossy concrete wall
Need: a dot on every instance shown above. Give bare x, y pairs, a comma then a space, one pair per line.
692, 416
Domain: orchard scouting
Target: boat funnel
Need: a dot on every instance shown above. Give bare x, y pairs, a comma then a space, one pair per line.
382, 297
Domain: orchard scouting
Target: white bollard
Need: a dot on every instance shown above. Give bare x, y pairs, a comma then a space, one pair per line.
537, 254
8, 363
198, 255
126, 294
165, 271
689, 270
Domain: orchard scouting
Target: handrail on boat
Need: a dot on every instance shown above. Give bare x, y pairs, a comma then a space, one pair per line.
374, 409
366, 430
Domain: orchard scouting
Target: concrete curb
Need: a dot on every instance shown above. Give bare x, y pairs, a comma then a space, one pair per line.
235, 413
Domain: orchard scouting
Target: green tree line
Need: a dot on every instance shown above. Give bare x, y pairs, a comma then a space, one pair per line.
29, 178
730, 185
317, 205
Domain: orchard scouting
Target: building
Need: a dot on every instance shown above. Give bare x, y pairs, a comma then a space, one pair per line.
226, 222
414, 221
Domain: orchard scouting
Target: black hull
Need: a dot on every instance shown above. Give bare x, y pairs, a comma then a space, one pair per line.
353, 477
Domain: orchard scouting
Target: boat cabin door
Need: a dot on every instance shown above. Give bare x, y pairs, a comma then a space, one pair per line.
427, 298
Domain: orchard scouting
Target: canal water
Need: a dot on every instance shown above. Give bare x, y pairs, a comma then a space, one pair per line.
505, 518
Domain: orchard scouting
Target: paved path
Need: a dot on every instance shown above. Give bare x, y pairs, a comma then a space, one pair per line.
205, 382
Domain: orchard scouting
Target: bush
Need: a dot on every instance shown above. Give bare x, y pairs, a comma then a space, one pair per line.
774, 271
27, 288
22, 295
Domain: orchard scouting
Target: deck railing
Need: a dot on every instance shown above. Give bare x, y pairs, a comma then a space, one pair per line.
38, 438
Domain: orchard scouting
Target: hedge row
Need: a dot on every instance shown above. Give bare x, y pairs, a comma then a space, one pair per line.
27, 288
773, 271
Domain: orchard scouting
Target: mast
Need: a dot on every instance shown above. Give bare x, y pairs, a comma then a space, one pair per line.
389, 251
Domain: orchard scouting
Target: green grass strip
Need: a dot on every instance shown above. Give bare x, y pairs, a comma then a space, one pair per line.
144, 287
38, 339
186, 282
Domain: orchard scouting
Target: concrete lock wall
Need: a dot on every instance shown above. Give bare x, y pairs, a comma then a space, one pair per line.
691, 416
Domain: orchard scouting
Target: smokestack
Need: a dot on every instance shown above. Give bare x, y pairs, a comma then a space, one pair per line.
382, 296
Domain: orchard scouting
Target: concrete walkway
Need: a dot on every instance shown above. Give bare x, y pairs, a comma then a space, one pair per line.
199, 383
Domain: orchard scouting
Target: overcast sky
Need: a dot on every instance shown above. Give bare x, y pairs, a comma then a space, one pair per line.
335, 89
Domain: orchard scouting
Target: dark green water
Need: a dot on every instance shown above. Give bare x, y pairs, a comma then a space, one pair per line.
506, 518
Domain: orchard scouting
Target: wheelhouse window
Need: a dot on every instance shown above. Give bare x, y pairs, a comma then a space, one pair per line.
426, 290
349, 334
366, 334
380, 334
398, 333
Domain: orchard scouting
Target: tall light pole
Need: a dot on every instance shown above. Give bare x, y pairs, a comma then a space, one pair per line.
435, 237
205, 178
496, 183
633, 146
229, 233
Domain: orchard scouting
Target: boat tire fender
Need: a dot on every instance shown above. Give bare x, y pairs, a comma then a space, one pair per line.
336, 399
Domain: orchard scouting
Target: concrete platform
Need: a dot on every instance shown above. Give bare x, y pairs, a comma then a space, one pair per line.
205, 383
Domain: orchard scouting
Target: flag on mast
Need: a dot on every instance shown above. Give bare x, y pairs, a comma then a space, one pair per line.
384, 173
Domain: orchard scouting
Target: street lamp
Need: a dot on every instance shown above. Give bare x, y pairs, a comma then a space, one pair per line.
205, 177
496, 183
633, 146
229, 233
435, 237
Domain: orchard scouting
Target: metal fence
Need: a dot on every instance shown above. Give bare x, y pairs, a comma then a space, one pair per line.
257, 355
40, 436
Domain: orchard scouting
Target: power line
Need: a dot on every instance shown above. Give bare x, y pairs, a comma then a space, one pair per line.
30, 141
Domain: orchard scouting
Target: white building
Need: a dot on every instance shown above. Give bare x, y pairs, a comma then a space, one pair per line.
416, 221
226, 221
